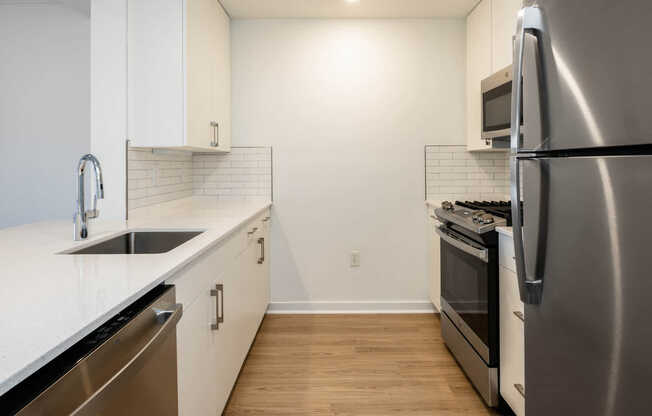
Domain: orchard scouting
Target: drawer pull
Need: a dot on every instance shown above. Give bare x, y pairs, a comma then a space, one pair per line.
519, 315
519, 388
253, 230
218, 292
261, 259
266, 219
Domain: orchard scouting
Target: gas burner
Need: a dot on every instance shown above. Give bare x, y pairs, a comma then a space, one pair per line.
478, 217
501, 209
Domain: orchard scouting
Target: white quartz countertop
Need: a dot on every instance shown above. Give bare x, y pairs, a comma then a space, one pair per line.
505, 231
50, 301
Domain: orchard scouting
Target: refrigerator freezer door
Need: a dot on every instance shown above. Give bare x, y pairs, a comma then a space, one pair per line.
595, 80
588, 343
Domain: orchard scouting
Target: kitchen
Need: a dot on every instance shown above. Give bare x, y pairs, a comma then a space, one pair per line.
246, 183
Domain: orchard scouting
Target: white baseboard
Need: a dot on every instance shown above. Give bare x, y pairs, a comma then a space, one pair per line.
351, 307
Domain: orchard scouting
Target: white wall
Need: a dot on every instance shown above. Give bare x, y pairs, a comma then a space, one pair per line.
63, 81
44, 107
348, 106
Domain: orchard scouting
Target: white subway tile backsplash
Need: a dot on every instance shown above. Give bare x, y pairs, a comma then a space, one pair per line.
244, 173
157, 176
453, 173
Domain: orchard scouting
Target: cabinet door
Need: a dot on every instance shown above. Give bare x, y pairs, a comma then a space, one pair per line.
503, 16
223, 349
434, 269
155, 73
478, 67
512, 342
195, 359
237, 330
202, 32
221, 94
264, 267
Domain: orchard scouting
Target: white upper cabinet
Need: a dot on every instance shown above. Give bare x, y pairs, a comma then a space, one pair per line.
478, 67
503, 15
489, 30
179, 75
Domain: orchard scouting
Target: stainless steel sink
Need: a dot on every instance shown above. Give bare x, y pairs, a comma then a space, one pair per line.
140, 242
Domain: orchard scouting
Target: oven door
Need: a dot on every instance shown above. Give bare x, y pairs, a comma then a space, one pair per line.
466, 278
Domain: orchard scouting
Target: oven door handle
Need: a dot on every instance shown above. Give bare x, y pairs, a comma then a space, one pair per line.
482, 254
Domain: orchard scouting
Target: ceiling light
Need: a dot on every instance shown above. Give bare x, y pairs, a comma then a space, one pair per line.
352, 1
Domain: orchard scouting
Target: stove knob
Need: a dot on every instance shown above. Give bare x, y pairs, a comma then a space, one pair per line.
477, 216
447, 206
487, 219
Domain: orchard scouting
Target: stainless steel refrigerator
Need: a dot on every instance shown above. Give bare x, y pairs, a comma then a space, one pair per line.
582, 165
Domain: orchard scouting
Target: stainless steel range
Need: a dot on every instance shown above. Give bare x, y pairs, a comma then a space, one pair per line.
469, 287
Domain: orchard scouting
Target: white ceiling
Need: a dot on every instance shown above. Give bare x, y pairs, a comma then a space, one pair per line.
261, 9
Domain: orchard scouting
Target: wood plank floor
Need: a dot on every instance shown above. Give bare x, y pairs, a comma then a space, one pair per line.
352, 365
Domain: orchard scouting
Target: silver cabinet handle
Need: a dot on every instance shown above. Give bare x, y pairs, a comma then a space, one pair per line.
529, 18
479, 253
266, 219
218, 292
216, 134
519, 388
519, 315
261, 241
253, 230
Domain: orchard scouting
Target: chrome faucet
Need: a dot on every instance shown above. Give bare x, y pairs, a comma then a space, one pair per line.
80, 220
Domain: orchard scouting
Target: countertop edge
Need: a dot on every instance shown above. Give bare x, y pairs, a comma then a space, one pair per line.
507, 231
17, 377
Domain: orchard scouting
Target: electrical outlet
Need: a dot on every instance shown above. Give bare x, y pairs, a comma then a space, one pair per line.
355, 258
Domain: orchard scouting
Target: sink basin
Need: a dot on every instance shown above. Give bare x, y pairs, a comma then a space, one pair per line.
140, 242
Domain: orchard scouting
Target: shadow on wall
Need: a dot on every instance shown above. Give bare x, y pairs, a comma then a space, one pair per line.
44, 107
289, 286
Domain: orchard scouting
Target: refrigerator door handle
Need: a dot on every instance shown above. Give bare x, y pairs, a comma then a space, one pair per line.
530, 288
529, 18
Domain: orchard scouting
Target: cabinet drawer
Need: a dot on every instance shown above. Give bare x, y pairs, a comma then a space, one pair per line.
512, 342
249, 233
512, 362
506, 252
196, 278
509, 295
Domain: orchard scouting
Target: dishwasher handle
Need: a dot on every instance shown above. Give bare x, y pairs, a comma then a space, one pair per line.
169, 319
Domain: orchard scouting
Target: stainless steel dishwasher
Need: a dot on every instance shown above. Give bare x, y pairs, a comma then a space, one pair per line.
128, 366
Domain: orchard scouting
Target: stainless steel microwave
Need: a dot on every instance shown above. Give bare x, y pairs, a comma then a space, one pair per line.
497, 104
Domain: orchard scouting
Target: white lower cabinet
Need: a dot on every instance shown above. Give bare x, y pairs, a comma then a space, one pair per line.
512, 334
434, 266
225, 295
